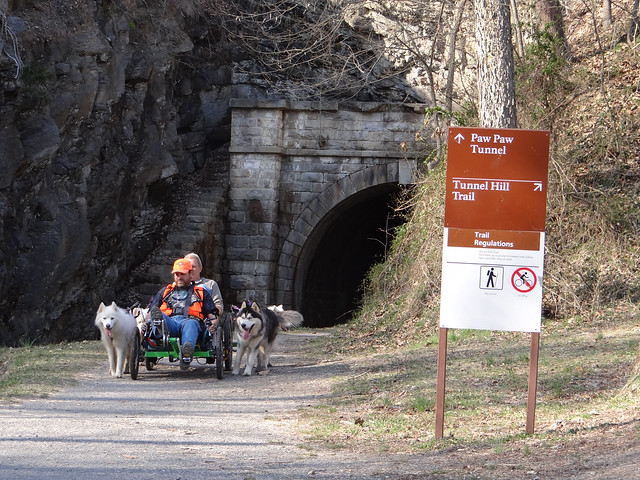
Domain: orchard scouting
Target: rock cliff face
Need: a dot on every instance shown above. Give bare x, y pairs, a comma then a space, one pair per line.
108, 111
104, 111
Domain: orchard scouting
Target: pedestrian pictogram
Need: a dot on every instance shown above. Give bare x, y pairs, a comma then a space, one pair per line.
491, 277
524, 279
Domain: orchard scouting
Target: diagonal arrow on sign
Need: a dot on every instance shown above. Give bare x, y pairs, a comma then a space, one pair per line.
537, 186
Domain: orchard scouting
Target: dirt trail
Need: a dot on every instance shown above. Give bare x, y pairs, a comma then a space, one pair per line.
171, 424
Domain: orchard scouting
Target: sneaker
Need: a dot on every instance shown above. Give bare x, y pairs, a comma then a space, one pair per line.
186, 355
158, 325
156, 316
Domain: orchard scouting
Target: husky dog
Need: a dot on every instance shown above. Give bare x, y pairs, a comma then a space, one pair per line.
256, 332
118, 332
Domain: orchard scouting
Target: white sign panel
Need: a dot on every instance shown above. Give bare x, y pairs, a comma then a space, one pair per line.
491, 288
493, 251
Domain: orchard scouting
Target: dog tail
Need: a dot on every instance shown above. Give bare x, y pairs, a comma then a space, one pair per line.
289, 318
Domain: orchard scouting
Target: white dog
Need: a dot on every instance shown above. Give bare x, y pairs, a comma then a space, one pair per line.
287, 318
141, 315
256, 332
118, 332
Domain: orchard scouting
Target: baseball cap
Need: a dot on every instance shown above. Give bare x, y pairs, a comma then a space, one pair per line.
181, 265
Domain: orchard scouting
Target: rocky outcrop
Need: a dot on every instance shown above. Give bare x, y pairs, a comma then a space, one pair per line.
102, 116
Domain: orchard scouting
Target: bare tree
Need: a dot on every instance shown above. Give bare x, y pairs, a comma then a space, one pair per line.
440, 120
551, 18
634, 24
496, 85
518, 28
411, 39
347, 48
605, 13
308, 43
453, 36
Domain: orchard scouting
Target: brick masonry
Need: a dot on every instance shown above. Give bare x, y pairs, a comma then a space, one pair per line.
291, 163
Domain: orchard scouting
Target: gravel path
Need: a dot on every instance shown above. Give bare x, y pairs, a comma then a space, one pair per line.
175, 425
171, 424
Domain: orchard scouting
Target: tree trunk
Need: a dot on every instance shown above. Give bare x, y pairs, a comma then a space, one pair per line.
634, 25
453, 35
606, 13
496, 85
550, 13
518, 29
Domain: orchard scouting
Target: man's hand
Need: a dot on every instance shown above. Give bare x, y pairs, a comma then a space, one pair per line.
213, 325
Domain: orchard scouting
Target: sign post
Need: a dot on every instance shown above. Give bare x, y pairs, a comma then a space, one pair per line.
493, 246
533, 382
441, 381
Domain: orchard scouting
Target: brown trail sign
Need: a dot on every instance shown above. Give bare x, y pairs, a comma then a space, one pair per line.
493, 249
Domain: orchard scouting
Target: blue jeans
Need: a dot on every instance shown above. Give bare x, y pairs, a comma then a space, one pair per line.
188, 329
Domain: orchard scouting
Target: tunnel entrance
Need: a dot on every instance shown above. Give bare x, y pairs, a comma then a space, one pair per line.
353, 237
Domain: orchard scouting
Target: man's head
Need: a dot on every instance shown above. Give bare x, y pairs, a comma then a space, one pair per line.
196, 265
182, 272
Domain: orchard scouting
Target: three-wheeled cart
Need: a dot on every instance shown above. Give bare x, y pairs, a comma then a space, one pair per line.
156, 343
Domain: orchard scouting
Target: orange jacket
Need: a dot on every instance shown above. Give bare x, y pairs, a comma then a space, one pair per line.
195, 308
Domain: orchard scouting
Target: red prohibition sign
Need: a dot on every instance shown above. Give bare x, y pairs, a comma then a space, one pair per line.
524, 279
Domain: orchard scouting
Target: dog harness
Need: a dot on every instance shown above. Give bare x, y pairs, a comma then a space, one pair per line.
191, 300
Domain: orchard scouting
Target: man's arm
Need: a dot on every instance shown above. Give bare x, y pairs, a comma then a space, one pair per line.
208, 306
216, 295
210, 310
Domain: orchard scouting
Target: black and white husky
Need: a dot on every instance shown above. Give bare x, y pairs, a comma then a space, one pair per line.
256, 330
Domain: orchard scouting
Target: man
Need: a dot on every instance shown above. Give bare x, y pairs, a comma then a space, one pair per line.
183, 306
214, 289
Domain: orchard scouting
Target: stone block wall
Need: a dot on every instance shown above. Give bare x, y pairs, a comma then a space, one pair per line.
291, 163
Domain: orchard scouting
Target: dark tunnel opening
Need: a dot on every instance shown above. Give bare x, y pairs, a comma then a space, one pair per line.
358, 236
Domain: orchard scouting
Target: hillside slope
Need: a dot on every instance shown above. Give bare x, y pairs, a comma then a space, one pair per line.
591, 105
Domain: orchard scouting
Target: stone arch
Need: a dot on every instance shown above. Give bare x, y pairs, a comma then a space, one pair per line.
307, 229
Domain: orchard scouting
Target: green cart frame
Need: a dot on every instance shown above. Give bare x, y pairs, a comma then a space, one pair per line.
220, 354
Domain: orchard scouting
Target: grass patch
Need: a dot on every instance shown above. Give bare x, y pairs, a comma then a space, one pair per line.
38, 371
589, 369
386, 402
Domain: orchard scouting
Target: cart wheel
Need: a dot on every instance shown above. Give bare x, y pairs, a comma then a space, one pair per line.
134, 354
219, 353
227, 339
150, 363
